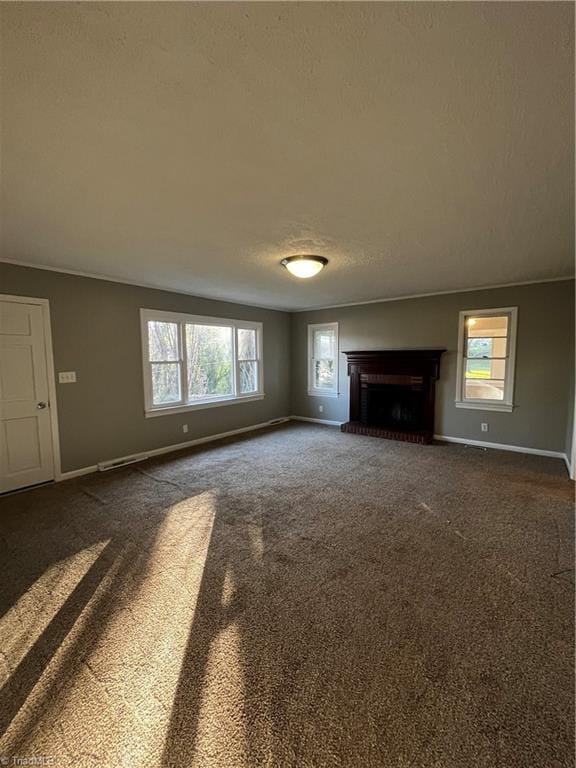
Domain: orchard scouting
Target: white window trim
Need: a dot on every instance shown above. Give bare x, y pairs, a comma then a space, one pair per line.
182, 406
507, 404
312, 391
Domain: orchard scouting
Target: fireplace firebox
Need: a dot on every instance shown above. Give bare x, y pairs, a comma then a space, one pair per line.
392, 393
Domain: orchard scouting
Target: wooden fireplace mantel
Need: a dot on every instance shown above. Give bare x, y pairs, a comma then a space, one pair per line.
410, 367
421, 362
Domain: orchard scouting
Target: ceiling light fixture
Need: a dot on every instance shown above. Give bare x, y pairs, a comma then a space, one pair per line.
305, 265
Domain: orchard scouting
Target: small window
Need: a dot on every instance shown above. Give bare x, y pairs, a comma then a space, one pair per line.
323, 360
165, 363
486, 357
195, 362
247, 360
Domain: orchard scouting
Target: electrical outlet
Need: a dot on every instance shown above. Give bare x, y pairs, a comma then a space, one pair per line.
185, 428
484, 426
67, 377
321, 409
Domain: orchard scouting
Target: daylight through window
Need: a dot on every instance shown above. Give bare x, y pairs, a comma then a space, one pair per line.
323, 359
486, 359
197, 361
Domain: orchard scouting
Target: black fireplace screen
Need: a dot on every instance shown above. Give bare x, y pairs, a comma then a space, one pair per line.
392, 406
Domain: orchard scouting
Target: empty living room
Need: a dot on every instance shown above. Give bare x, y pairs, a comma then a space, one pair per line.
287, 384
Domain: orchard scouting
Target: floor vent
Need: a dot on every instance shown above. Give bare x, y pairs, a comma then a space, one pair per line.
278, 421
105, 466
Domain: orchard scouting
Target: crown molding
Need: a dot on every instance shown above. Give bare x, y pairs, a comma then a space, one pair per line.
182, 292
437, 293
149, 286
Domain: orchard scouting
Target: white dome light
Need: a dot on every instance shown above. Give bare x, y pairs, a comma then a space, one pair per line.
304, 266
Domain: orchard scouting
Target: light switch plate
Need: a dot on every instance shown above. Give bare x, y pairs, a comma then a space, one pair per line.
67, 377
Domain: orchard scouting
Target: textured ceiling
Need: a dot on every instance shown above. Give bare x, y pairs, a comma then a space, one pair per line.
421, 147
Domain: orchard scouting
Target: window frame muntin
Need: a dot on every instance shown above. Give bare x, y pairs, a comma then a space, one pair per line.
507, 403
312, 390
181, 319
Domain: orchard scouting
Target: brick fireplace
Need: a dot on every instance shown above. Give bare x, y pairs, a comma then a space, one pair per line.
392, 393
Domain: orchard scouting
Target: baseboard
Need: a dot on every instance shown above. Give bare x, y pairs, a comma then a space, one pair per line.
176, 447
569, 467
501, 446
327, 422
76, 473
210, 438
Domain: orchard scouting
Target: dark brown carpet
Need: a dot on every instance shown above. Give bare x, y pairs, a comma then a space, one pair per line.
300, 598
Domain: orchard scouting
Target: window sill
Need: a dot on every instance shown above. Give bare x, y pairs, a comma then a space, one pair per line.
487, 406
312, 393
171, 409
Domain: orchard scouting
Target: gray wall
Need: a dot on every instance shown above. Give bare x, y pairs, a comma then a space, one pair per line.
544, 363
96, 332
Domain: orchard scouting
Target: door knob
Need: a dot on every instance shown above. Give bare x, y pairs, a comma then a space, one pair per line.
41, 406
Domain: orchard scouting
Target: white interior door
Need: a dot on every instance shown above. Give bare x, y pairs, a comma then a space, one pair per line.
26, 453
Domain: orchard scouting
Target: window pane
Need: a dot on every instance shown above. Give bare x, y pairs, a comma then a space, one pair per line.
209, 354
248, 377
486, 347
162, 341
487, 389
499, 347
324, 374
487, 326
324, 344
478, 369
246, 344
165, 383
485, 369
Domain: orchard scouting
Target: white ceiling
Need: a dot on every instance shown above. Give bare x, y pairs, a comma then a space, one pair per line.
421, 147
